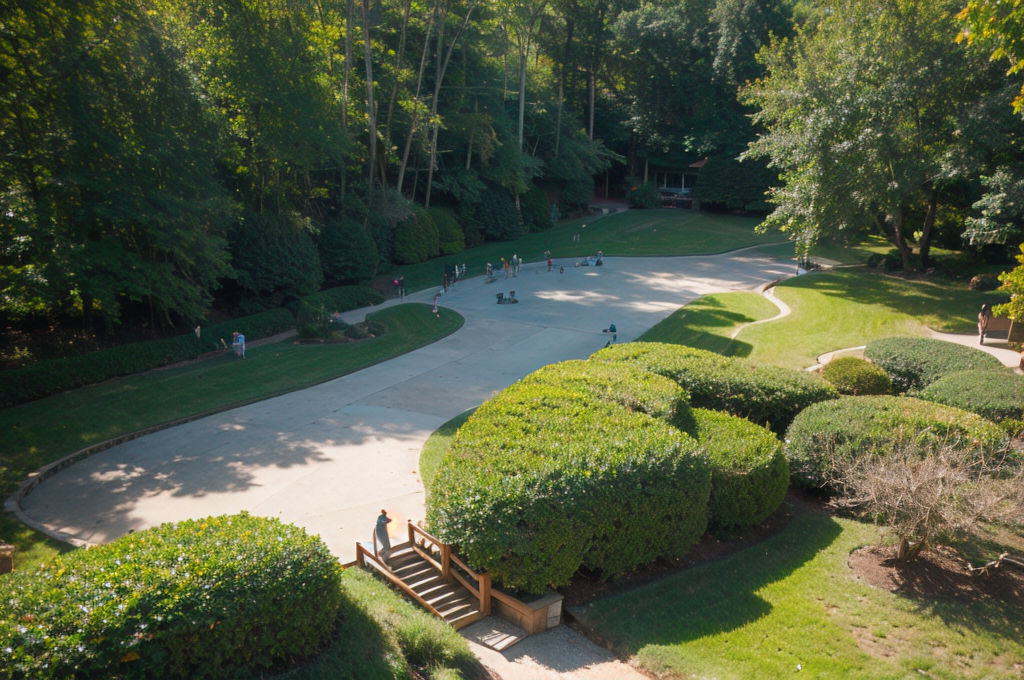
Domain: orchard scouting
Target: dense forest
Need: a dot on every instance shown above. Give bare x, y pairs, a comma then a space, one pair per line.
160, 159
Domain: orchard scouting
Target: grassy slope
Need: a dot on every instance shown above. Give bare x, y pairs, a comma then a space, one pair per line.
40, 432
380, 635
437, 445
708, 322
850, 307
630, 233
793, 600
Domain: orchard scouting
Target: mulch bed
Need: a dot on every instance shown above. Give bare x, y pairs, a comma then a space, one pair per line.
587, 586
940, 572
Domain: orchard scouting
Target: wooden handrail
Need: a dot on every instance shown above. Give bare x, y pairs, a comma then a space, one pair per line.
362, 554
482, 591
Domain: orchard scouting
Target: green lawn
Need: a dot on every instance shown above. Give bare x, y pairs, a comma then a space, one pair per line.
629, 233
708, 322
37, 433
851, 307
435, 447
793, 600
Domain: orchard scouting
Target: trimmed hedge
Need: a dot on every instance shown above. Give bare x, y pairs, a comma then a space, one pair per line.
542, 480
854, 426
416, 239
199, 599
996, 395
536, 209
763, 394
915, 363
749, 472
59, 375
341, 299
627, 385
645, 195
451, 240
850, 375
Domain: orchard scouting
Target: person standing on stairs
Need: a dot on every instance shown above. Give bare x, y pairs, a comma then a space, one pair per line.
382, 534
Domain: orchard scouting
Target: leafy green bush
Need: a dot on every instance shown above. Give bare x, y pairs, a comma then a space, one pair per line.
276, 260
44, 378
644, 195
853, 426
749, 472
624, 384
199, 599
416, 239
850, 375
915, 363
536, 209
498, 215
763, 394
449, 233
347, 251
996, 395
340, 299
576, 194
542, 480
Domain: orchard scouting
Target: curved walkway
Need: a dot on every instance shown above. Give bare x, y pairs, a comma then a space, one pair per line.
328, 458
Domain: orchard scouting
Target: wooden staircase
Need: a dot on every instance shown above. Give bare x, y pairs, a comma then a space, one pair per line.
426, 570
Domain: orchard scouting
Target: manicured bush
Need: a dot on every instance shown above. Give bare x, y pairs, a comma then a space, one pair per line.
451, 240
850, 375
416, 239
340, 299
996, 395
644, 195
915, 363
624, 384
44, 378
542, 480
347, 251
198, 599
749, 472
536, 209
277, 262
498, 215
855, 426
763, 394
576, 194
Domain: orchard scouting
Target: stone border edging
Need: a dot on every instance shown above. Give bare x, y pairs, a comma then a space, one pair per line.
12, 503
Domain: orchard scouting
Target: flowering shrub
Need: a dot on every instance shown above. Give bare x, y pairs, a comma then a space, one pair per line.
542, 480
198, 599
763, 394
749, 473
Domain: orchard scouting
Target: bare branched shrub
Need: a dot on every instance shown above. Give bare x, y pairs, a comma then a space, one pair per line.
924, 494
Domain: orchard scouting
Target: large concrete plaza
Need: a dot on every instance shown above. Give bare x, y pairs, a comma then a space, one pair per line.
328, 458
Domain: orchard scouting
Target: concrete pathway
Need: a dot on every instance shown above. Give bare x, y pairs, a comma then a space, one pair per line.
328, 458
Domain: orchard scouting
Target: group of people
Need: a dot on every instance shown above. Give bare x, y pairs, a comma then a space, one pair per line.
452, 273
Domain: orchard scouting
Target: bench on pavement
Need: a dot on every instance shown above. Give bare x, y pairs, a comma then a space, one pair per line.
999, 328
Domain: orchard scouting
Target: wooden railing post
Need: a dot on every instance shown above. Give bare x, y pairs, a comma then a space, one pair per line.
359, 557
485, 593
446, 561
376, 553
412, 534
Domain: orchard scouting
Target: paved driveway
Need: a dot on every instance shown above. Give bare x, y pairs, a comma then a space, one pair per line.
328, 458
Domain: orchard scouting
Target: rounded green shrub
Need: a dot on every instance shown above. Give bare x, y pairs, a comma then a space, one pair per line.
576, 194
627, 385
347, 251
416, 239
915, 363
202, 598
850, 375
498, 215
449, 233
542, 480
853, 426
644, 195
749, 472
536, 209
763, 394
996, 395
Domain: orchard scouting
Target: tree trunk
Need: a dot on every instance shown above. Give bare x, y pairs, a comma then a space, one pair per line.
925, 244
370, 108
344, 86
472, 134
561, 105
522, 95
399, 64
901, 239
415, 115
590, 128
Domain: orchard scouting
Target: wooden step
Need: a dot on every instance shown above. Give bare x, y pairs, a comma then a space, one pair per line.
463, 621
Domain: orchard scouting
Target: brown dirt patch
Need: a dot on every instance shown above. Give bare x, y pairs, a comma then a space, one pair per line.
941, 572
588, 586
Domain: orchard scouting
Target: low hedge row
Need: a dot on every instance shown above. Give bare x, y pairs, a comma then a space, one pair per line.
996, 395
199, 599
763, 394
749, 472
341, 299
59, 375
625, 384
850, 375
915, 363
542, 480
853, 426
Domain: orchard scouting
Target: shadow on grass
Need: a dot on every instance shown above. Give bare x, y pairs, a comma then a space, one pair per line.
713, 598
685, 327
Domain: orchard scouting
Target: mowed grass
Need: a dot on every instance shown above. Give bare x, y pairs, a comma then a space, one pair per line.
790, 607
437, 445
708, 322
851, 307
40, 432
630, 233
